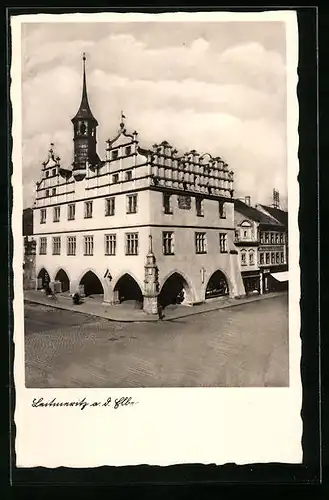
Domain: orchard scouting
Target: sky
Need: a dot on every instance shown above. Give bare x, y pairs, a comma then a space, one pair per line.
217, 87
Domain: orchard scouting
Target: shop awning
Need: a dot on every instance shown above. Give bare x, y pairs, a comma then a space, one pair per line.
283, 276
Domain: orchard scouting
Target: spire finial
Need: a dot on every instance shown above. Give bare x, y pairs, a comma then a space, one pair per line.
150, 244
122, 122
84, 56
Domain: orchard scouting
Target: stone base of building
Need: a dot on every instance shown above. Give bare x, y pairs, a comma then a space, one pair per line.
150, 305
29, 284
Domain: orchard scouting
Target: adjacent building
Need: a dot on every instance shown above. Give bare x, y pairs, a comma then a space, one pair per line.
261, 243
276, 212
144, 223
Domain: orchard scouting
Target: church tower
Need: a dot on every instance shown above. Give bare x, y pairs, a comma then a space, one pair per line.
84, 127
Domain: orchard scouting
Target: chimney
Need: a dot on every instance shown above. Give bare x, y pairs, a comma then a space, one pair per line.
247, 200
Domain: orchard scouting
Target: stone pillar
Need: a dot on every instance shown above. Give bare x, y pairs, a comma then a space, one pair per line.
29, 268
261, 283
151, 283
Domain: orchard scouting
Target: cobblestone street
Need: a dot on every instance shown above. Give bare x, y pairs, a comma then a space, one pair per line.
246, 345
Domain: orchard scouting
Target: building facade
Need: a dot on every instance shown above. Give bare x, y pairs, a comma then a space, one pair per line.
261, 243
104, 226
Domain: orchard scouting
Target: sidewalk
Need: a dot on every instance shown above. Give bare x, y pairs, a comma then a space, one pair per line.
128, 314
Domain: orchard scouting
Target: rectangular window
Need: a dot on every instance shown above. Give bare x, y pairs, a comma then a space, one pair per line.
168, 242
272, 238
54, 171
200, 243
223, 242
199, 207
47, 173
166, 202
71, 211
115, 178
110, 206
282, 257
43, 216
262, 237
131, 243
267, 257
89, 245
110, 244
128, 175
56, 245
243, 259
127, 150
276, 237
222, 211
277, 257
43, 246
88, 209
47, 192
71, 245
267, 238
281, 238
272, 258
251, 258
57, 214
115, 154
261, 258
53, 191
131, 203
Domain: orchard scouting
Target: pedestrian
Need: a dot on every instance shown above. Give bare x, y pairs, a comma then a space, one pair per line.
160, 312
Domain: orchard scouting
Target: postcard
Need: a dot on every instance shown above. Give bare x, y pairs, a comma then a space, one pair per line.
156, 241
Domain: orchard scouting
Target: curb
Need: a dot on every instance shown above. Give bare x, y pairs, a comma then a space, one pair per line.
155, 320
55, 306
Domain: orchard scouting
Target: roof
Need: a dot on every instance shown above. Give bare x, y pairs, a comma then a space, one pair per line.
254, 214
84, 111
277, 213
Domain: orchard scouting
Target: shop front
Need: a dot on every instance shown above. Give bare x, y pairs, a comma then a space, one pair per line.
251, 281
274, 279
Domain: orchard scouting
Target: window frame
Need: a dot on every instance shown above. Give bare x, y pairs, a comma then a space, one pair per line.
132, 207
69, 215
71, 240
200, 237
90, 242
199, 206
110, 203
43, 219
88, 214
56, 218
261, 258
167, 207
222, 209
132, 238
114, 154
43, 245
222, 242
110, 243
56, 245
128, 175
168, 249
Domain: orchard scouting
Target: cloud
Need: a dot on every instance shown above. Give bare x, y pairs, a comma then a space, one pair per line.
229, 102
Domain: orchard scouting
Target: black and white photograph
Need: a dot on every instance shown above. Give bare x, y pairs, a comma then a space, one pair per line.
158, 241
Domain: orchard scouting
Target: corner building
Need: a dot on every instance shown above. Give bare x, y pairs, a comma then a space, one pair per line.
99, 224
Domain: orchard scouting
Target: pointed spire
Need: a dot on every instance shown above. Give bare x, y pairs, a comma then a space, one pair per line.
84, 111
